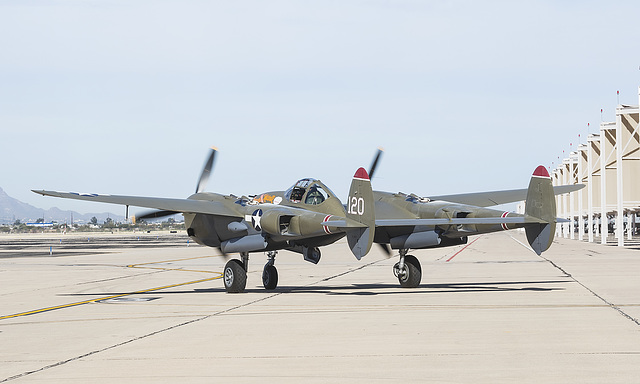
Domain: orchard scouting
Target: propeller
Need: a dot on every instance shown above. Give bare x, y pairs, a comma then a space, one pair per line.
372, 169
385, 247
155, 214
206, 171
202, 182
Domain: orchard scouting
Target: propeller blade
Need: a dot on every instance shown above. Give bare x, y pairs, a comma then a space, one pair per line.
206, 171
372, 169
224, 255
386, 249
155, 214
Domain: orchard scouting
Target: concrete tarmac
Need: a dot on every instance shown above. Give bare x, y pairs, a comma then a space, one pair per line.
489, 312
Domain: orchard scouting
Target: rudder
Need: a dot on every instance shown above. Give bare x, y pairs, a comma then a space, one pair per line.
360, 208
541, 204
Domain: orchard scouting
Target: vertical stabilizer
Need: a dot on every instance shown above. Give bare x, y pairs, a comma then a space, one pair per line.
541, 204
360, 208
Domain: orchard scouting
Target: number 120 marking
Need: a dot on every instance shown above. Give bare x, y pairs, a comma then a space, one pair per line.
355, 206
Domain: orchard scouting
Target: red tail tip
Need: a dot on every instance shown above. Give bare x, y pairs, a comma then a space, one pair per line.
541, 171
361, 174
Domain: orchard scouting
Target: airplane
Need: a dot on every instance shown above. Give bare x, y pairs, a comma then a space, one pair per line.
280, 220
308, 215
407, 221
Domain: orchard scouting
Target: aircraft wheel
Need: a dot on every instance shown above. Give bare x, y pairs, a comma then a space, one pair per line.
411, 274
235, 277
270, 277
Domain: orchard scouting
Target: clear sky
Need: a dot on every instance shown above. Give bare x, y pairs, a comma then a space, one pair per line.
126, 97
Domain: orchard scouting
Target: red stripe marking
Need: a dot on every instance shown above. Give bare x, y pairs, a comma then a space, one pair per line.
504, 225
326, 229
463, 248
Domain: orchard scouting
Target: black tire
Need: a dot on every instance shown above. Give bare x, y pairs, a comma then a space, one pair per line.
235, 277
413, 273
270, 277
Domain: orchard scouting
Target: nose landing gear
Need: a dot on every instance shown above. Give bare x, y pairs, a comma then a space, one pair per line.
270, 273
235, 273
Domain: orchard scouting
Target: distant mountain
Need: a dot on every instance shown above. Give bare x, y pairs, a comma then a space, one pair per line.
12, 209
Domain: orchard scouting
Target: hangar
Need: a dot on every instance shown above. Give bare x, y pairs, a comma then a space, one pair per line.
609, 165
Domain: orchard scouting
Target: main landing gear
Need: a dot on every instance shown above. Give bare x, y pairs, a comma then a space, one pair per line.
408, 270
235, 273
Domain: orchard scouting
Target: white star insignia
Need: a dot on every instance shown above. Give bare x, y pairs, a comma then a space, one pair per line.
255, 219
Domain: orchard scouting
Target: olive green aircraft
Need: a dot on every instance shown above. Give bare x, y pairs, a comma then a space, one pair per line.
407, 221
308, 216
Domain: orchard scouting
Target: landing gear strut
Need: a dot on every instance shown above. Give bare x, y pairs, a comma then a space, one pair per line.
235, 274
408, 270
270, 273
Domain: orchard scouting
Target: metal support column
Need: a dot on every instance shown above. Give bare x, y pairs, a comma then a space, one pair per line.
591, 230
557, 198
565, 181
620, 198
604, 221
580, 207
572, 212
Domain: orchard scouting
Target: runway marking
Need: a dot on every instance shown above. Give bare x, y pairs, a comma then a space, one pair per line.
182, 324
463, 248
523, 244
172, 269
107, 298
41, 310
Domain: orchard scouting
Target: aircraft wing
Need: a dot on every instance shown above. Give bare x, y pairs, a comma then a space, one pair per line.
488, 199
178, 205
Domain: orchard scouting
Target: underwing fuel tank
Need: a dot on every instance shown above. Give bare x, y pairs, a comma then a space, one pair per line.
415, 240
249, 243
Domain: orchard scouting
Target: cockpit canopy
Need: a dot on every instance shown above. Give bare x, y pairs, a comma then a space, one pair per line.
309, 191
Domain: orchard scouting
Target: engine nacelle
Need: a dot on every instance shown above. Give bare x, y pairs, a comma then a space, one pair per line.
276, 222
415, 240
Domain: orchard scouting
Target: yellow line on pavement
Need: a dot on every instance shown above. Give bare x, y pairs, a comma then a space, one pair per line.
171, 269
106, 298
125, 294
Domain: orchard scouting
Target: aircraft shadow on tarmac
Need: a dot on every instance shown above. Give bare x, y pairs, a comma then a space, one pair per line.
393, 289
375, 289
